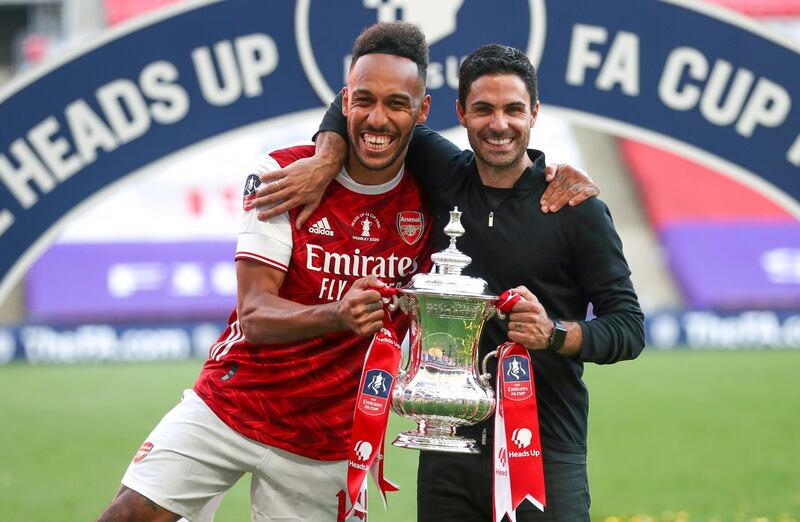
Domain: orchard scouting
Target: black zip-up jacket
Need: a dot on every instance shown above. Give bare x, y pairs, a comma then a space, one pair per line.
567, 259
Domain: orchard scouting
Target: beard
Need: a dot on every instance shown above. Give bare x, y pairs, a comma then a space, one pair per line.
504, 161
355, 143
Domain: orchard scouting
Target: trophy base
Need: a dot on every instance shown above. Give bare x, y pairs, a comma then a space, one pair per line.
444, 443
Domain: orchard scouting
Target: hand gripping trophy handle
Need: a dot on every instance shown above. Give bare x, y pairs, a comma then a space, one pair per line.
393, 300
503, 304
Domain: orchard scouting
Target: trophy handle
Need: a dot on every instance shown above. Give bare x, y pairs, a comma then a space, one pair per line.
485, 376
397, 302
405, 357
391, 302
492, 310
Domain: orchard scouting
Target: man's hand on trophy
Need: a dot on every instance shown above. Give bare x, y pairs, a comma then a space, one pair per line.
300, 184
566, 184
528, 323
361, 309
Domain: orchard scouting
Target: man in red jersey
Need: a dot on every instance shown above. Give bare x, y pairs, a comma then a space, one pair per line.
276, 396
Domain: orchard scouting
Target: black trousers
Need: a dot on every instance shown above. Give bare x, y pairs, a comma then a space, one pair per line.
458, 488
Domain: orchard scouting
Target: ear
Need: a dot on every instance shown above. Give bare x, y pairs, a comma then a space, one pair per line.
534, 113
460, 113
424, 109
345, 102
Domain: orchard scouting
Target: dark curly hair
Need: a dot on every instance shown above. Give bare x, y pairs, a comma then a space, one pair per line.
496, 59
396, 38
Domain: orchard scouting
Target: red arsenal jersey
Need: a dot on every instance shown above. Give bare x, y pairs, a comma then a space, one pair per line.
300, 396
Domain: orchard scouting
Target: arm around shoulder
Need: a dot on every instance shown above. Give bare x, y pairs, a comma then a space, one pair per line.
303, 182
431, 157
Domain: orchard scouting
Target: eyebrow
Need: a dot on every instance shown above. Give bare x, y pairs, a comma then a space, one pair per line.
391, 95
400, 96
363, 92
513, 105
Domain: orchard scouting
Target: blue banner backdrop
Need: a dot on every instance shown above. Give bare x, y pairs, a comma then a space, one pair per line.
697, 80
69, 343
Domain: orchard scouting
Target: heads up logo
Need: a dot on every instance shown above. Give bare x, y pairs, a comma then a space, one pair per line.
453, 28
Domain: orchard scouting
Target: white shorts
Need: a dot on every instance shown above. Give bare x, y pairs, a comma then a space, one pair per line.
192, 458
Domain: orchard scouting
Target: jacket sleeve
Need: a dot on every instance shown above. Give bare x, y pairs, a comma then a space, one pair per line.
432, 158
616, 333
334, 120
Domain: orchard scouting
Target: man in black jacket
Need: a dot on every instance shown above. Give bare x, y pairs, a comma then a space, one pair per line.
564, 261
560, 262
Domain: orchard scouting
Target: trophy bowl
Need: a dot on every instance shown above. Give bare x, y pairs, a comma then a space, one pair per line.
439, 386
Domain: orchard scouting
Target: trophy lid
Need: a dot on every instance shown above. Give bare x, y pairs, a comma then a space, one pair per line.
446, 277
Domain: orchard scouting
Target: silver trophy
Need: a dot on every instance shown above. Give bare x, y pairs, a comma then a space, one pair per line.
439, 386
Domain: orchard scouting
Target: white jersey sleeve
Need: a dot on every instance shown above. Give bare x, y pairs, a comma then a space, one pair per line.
268, 242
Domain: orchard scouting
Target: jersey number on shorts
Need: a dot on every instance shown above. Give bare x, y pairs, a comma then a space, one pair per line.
342, 496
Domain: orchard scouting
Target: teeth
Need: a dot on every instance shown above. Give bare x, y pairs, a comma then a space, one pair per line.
495, 141
376, 141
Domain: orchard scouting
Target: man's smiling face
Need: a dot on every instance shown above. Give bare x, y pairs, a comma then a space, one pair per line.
384, 100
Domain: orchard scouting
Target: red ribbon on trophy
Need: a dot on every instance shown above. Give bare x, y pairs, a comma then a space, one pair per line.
372, 412
518, 469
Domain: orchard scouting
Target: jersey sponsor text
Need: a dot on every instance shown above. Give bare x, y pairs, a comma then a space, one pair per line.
356, 265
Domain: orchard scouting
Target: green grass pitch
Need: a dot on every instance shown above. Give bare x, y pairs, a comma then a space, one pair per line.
674, 437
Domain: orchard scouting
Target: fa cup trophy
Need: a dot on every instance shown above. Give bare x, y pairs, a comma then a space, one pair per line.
439, 386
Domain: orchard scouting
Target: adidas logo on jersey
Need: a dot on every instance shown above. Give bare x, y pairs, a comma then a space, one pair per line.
321, 227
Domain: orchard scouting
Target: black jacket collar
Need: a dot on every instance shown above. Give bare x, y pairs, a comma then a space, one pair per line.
532, 178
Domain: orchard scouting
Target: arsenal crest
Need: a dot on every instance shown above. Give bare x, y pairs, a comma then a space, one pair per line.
409, 225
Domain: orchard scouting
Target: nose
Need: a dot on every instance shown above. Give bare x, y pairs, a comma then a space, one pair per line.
498, 123
377, 117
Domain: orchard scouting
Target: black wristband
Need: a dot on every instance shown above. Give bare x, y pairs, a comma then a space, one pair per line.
557, 337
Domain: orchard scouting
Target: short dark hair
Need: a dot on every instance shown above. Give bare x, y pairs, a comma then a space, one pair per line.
496, 59
396, 38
